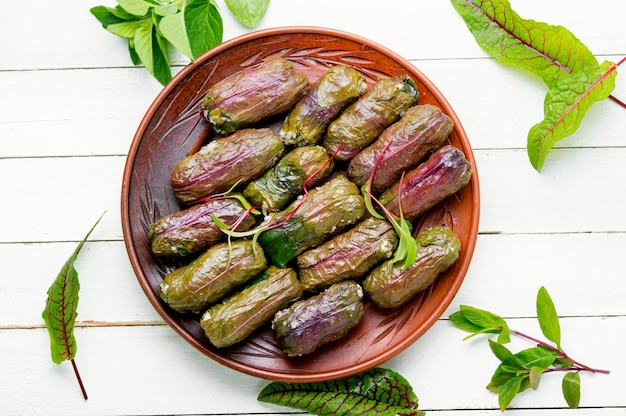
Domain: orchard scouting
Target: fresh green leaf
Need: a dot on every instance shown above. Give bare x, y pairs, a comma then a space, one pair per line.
505, 355
565, 106
106, 15
483, 319
551, 52
377, 392
137, 7
150, 51
125, 29
548, 318
537, 357
248, 12
571, 389
509, 390
60, 312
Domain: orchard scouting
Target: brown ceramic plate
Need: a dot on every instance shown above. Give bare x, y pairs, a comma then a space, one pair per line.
172, 128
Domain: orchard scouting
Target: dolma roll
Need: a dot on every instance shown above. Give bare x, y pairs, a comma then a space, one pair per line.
364, 120
327, 210
441, 175
214, 274
421, 130
256, 93
193, 229
306, 123
391, 285
320, 319
225, 162
349, 255
234, 319
281, 184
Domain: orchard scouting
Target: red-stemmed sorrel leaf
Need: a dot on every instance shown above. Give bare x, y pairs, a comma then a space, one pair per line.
60, 311
375, 392
551, 52
548, 51
565, 106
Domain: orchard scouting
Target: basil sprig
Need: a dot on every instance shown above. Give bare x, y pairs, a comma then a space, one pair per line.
190, 26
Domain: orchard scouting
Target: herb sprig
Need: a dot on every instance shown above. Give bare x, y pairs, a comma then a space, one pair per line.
190, 26
520, 371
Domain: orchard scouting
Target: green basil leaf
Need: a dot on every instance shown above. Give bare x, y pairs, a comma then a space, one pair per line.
499, 378
505, 355
459, 320
565, 106
133, 53
571, 389
537, 357
124, 29
483, 319
551, 52
377, 391
547, 317
508, 391
139, 8
150, 51
248, 12
106, 15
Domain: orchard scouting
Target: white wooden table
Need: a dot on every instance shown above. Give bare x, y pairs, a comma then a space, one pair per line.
70, 102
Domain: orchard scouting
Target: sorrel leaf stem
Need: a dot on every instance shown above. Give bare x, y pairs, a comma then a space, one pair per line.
80, 380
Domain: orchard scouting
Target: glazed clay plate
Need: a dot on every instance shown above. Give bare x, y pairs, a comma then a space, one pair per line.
172, 128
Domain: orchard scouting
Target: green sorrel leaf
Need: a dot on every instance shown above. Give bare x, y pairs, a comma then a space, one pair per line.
60, 312
549, 51
248, 12
509, 390
377, 391
571, 389
548, 318
565, 106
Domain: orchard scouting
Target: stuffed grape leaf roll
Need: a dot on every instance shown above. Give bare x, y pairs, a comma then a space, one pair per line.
365, 119
349, 255
390, 285
235, 318
255, 93
320, 319
282, 183
214, 274
306, 123
307, 222
441, 175
402, 146
226, 162
191, 230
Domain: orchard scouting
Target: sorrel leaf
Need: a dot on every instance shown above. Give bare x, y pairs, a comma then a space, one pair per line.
61, 309
547, 317
571, 389
548, 51
565, 106
377, 391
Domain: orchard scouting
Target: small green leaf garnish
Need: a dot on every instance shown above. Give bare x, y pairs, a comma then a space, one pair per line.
61, 311
520, 371
376, 392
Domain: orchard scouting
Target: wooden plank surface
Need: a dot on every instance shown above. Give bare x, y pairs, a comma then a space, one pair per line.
70, 102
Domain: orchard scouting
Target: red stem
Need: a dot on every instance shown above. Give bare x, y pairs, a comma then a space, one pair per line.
612, 97
80, 381
561, 353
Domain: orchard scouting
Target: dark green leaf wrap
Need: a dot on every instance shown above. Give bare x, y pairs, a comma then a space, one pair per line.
256, 93
241, 314
213, 275
281, 184
378, 391
327, 210
421, 130
225, 162
349, 255
306, 123
364, 120
391, 285
320, 319
191, 230
441, 175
